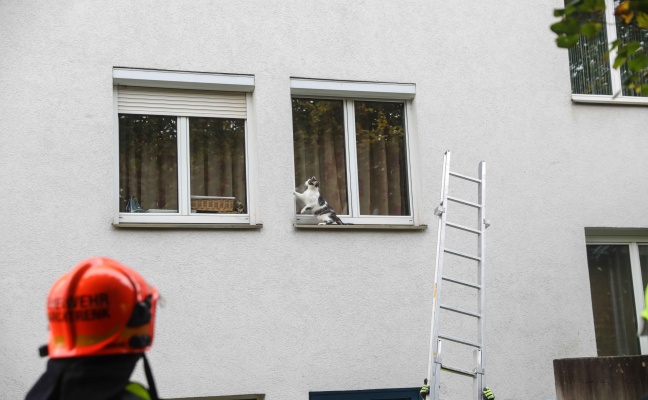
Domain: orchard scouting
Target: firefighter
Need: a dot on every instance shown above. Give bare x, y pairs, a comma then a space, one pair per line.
101, 317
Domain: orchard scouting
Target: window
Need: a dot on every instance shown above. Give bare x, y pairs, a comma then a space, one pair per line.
592, 77
183, 147
356, 139
236, 397
618, 270
378, 394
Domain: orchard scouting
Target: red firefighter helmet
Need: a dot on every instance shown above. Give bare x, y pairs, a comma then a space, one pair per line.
100, 307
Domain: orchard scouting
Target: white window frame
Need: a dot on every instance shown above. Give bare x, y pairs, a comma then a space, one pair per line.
615, 74
348, 92
192, 81
633, 243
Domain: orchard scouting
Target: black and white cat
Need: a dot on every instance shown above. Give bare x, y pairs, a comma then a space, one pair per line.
316, 204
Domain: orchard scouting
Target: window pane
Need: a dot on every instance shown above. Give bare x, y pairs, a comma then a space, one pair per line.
217, 165
372, 394
319, 145
631, 33
148, 163
589, 65
643, 258
382, 164
612, 300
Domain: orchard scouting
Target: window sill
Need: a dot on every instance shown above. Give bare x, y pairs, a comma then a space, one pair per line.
186, 226
601, 99
364, 227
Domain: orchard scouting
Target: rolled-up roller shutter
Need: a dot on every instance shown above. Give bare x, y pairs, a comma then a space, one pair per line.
180, 102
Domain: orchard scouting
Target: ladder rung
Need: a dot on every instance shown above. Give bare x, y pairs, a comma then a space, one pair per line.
460, 311
460, 282
468, 178
460, 254
462, 341
463, 228
457, 370
465, 202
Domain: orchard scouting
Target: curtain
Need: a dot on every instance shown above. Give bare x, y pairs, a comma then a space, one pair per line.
148, 167
630, 33
613, 303
382, 162
217, 159
319, 146
589, 65
148, 158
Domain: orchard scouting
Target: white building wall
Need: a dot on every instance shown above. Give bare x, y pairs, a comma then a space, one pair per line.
282, 311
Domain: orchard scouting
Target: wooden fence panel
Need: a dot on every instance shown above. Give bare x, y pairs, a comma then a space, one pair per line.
601, 378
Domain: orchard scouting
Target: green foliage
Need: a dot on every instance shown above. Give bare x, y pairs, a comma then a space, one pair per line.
585, 19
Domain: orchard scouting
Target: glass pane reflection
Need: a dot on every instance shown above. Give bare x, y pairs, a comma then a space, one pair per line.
148, 166
613, 300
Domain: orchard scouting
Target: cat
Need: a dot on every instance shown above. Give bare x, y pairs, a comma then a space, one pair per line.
316, 204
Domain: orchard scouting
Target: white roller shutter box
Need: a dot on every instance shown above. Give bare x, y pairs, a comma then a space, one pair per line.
180, 102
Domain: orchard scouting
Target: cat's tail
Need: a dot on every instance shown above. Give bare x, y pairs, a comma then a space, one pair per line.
338, 220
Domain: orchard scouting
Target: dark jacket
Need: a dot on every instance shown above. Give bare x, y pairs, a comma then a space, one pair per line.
84, 378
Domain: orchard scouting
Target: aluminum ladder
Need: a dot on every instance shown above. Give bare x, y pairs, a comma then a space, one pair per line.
435, 363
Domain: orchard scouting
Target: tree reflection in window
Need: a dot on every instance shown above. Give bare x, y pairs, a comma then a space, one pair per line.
148, 167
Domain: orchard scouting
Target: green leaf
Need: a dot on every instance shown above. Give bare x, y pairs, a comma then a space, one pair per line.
569, 10
566, 42
619, 61
638, 63
559, 27
632, 47
590, 29
642, 20
559, 12
592, 5
643, 89
567, 26
615, 44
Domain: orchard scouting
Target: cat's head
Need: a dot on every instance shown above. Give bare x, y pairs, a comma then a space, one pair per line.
312, 181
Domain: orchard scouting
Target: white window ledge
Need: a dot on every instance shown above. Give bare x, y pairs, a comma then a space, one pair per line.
364, 227
348, 89
195, 219
601, 99
186, 226
182, 80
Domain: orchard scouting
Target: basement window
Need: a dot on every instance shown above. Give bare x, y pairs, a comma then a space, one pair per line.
618, 271
374, 394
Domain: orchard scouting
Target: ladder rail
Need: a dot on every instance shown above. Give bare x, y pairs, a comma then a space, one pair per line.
434, 369
482, 271
435, 361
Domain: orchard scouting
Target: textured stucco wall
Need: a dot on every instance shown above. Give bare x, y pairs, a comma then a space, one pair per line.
285, 312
